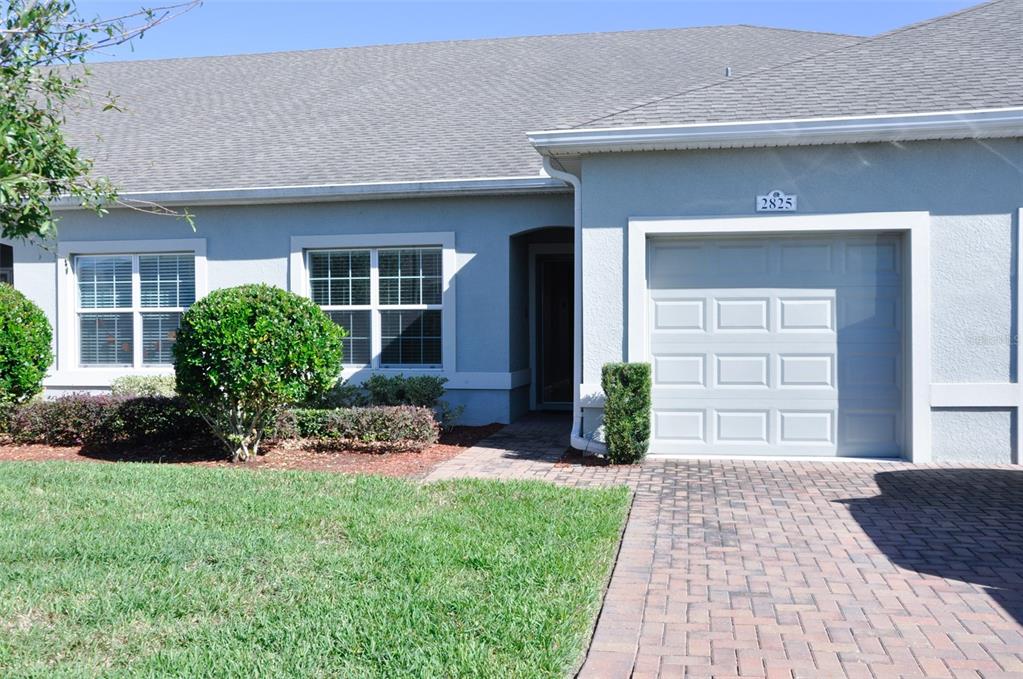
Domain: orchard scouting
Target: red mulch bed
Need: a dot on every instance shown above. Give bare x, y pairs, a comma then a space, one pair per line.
410, 464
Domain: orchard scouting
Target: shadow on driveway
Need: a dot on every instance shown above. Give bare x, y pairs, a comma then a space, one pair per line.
962, 524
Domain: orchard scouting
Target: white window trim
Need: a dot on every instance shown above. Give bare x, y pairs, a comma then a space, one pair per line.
68, 370
917, 341
298, 282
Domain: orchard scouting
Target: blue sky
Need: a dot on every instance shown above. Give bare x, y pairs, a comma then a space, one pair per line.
245, 26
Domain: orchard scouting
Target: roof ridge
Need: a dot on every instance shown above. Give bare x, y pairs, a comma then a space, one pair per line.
799, 30
768, 69
453, 41
940, 17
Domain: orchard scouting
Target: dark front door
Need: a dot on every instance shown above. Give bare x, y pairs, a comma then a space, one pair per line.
554, 292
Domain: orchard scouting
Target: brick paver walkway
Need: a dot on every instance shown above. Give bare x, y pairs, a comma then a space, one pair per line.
797, 569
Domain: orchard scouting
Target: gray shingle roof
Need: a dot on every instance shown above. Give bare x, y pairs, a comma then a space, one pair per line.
394, 113
972, 59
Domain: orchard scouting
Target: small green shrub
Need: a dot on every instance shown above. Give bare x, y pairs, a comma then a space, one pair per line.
25, 353
143, 385
90, 420
342, 395
419, 390
393, 427
626, 411
398, 390
242, 354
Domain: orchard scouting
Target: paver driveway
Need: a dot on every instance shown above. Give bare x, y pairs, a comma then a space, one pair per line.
786, 569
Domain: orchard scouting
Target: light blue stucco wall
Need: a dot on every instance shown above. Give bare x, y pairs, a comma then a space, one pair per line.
972, 190
247, 244
973, 435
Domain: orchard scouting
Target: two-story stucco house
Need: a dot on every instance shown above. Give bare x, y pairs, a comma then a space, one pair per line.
813, 238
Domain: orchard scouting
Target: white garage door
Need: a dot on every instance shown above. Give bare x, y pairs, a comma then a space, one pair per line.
787, 346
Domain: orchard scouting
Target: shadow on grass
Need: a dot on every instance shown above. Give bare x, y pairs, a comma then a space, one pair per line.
961, 524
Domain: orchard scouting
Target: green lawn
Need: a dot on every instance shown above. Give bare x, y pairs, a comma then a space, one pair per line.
142, 570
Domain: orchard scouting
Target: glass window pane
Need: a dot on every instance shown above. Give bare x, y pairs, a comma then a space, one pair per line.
360, 264
409, 263
339, 291
167, 280
360, 291
389, 291
410, 337
159, 332
319, 265
339, 268
105, 339
388, 262
104, 282
320, 291
431, 263
410, 291
356, 345
339, 277
431, 290
410, 276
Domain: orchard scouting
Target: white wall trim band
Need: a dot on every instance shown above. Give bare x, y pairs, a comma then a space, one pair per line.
998, 395
100, 378
976, 124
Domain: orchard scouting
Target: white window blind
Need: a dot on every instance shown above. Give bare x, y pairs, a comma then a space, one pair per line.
130, 307
388, 299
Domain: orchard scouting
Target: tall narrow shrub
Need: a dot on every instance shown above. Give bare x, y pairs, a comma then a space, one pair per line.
25, 353
626, 411
242, 354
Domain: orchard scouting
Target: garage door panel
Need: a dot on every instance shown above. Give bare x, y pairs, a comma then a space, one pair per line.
683, 370
801, 370
680, 314
806, 426
683, 425
741, 314
777, 346
742, 425
751, 257
742, 370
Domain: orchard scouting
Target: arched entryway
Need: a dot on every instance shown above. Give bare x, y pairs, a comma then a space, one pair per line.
542, 325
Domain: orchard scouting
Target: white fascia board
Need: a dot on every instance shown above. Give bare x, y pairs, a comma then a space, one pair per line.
976, 124
487, 186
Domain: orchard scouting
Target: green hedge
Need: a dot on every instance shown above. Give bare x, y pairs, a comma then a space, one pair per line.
101, 420
382, 427
626, 411
89, 420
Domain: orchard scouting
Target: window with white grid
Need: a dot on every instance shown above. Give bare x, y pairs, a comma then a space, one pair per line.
130, 306
388, 299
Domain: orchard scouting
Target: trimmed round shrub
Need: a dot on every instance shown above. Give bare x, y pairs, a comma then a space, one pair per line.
244, 353
25, 351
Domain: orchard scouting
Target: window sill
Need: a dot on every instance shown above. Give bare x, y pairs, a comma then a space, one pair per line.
98, 377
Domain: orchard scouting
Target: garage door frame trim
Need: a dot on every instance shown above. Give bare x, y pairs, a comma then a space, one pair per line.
915, 227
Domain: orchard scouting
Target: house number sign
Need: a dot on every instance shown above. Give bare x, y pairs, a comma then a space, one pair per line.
776, 201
